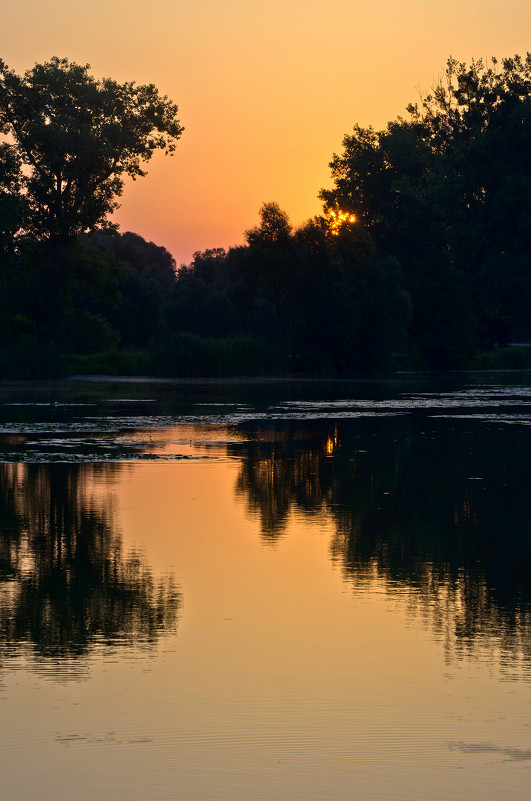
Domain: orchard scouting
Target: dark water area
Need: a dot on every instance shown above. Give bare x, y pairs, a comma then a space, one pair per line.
369, 540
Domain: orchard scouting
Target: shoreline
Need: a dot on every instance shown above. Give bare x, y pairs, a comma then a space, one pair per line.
106, 378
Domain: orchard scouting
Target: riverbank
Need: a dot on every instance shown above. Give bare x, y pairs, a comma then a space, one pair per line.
238, 359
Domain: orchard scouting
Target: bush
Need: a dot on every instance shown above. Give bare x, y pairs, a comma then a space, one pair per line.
509, 358
191, 355
115, 362
82, 331
27, 358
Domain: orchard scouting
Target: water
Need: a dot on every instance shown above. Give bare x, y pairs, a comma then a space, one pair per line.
290, 592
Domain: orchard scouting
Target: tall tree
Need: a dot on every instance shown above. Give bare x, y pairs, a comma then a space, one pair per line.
77, 138
478, 123
447, 192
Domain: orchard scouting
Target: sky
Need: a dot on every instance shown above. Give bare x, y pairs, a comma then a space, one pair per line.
266, 90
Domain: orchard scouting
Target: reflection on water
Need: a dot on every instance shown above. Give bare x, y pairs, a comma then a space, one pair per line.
65, 582
281, 469
432, 500
427, 506
355, 564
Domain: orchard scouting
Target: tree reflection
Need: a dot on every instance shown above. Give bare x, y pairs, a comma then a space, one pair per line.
65, 581
281, 471
437, 509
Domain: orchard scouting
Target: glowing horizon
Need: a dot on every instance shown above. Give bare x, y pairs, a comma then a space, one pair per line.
266, 91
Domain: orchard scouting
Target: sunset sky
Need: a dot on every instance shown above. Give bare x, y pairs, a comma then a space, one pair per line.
266, 90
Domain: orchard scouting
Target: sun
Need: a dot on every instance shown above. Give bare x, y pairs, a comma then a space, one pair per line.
337, 219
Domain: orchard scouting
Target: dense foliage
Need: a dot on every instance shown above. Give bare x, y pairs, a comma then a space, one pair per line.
328, 303
448, 193
72, 139
420, 258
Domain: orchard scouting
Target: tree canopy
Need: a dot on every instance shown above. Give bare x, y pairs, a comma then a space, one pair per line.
70, 140
421, 257
448, 192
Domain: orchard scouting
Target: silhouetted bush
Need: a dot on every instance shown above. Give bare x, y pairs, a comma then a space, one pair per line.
191, 355
28, 358
114, 362
510, 358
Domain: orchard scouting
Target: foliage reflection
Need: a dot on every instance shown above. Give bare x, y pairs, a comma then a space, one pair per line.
65, 581
430, 508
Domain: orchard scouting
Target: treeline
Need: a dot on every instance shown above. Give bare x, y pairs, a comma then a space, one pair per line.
448, 193
420, 259
286, 301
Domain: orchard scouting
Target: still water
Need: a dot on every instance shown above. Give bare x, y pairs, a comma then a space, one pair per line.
287, 592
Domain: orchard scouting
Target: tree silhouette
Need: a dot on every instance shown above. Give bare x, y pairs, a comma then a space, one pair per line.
77, 138
447, 192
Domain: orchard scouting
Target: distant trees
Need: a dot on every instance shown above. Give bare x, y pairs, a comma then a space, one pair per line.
144, 280
425, 230
423, 248
71, 140
325, 298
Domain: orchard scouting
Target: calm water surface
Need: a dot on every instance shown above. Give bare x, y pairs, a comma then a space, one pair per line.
306, 592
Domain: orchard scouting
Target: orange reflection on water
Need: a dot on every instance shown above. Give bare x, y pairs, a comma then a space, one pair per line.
332, 442
301, 668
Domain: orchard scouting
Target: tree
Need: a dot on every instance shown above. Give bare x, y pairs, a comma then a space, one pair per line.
448, 193
274, 228
146, 282
478, 123
76, 139
270, 267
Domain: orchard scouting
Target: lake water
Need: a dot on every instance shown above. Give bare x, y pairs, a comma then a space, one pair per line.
287, 592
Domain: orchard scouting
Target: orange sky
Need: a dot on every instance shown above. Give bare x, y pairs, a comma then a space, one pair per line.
266, 89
